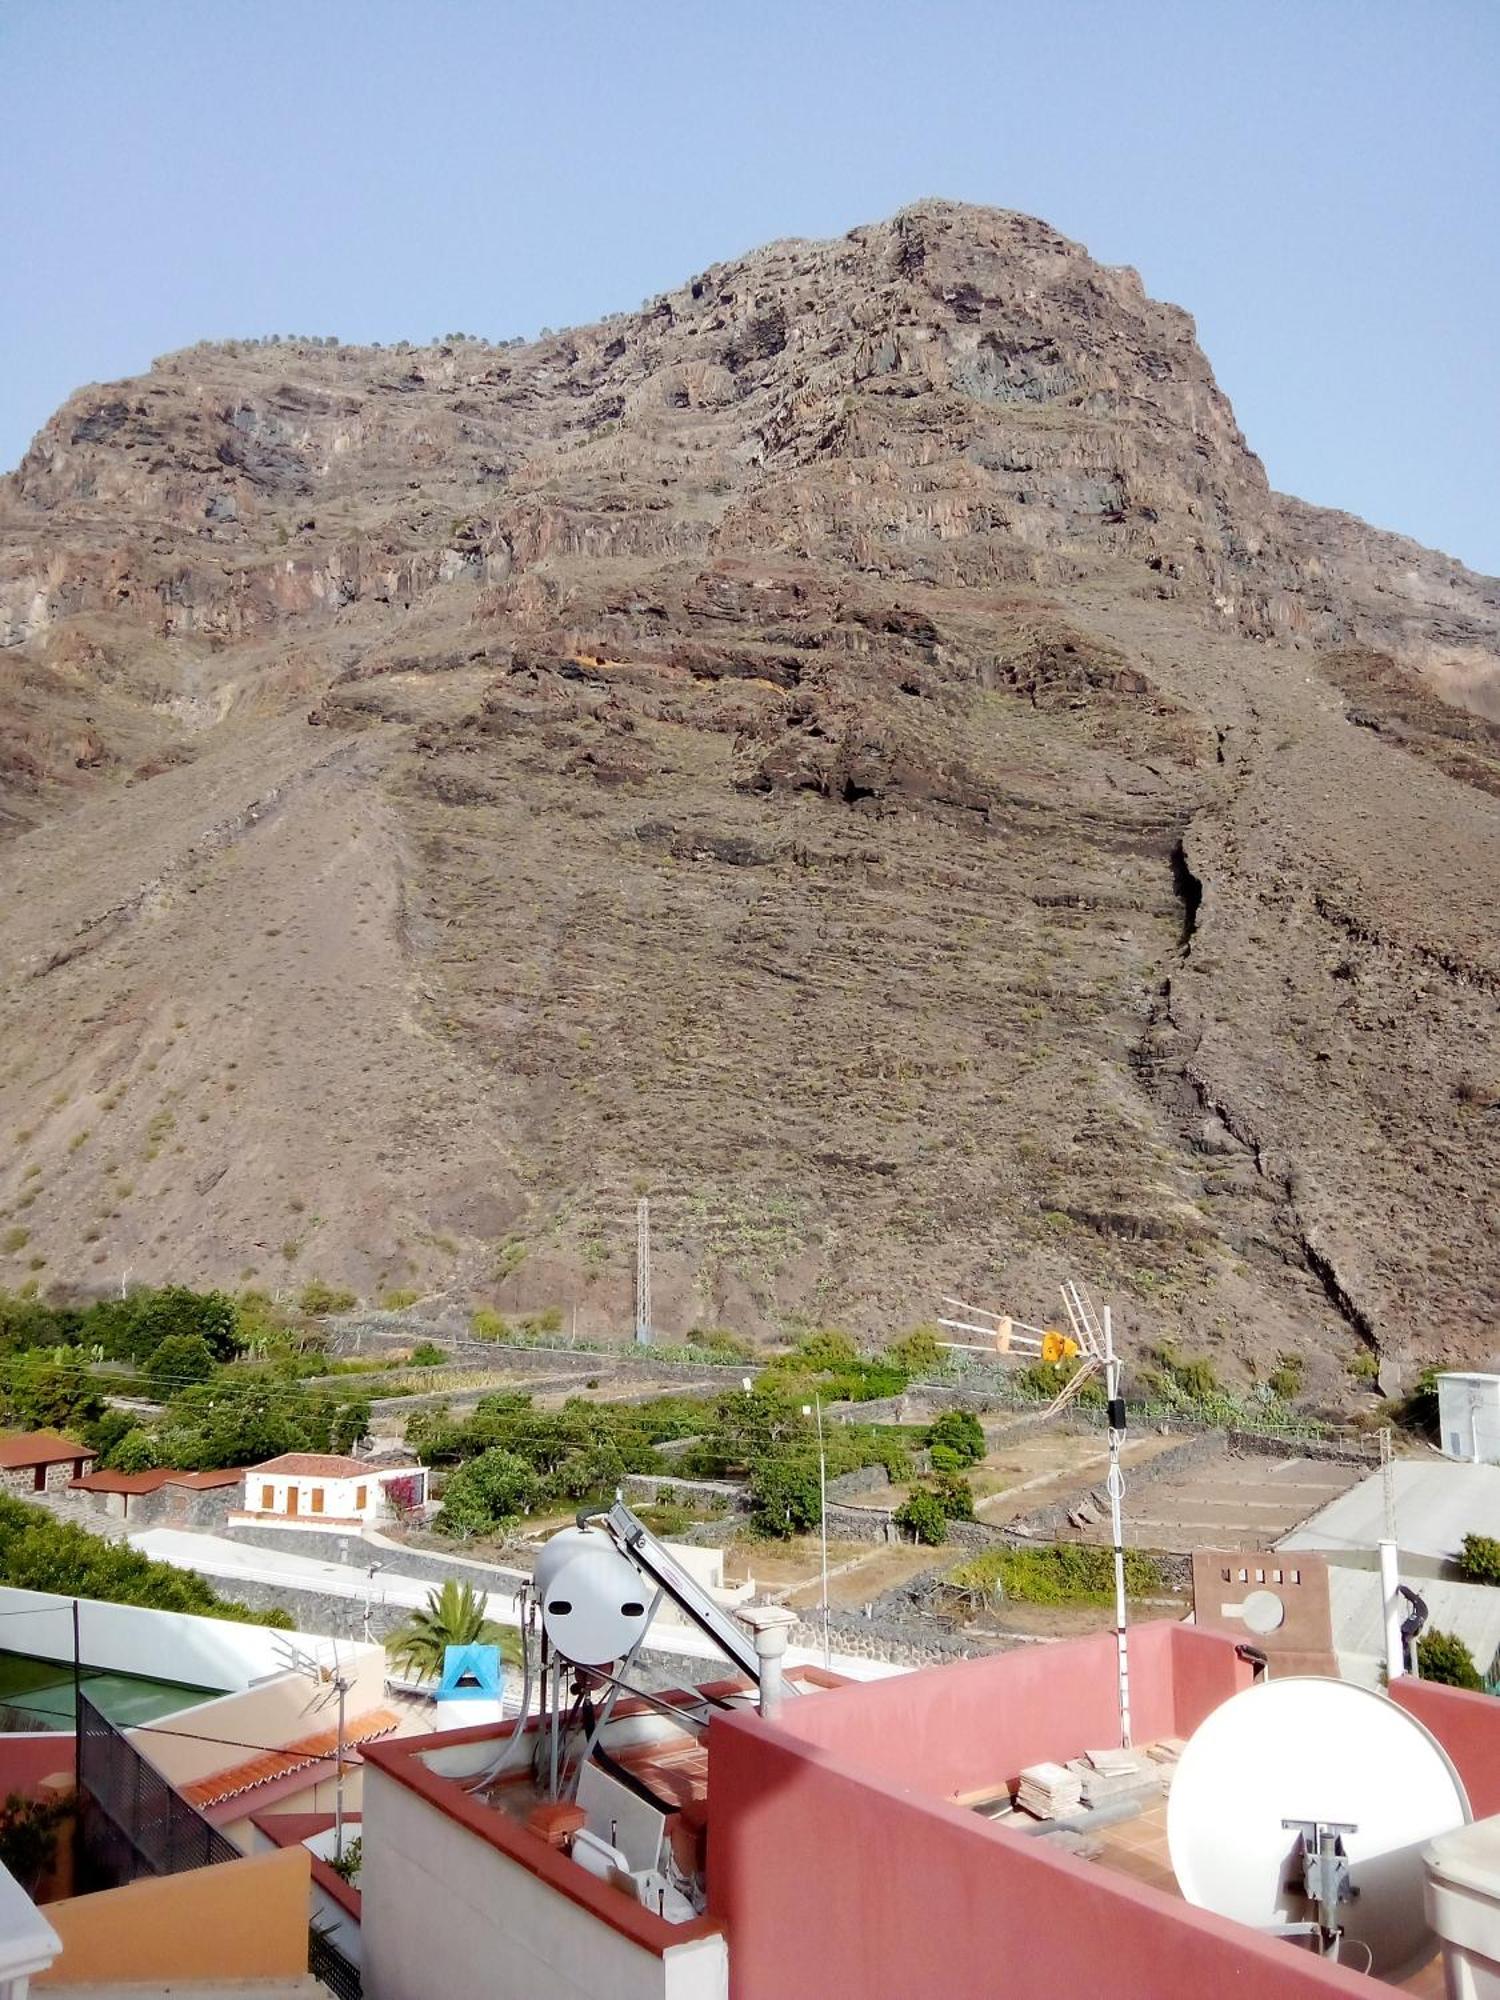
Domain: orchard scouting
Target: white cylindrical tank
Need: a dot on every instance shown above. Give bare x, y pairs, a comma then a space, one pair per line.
594, 1603
561, 1548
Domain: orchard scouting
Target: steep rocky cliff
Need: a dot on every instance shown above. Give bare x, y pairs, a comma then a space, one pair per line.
854, 750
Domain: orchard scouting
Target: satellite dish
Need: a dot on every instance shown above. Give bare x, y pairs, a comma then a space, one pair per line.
1344, 1761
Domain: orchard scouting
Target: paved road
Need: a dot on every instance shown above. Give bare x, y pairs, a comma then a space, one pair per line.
222, 1560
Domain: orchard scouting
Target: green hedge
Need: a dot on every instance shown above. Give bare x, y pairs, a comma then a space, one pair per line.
1062, 1573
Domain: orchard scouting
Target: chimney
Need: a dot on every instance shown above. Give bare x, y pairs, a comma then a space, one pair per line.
770, 1625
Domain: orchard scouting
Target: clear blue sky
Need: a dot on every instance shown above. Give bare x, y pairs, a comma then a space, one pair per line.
1318, 182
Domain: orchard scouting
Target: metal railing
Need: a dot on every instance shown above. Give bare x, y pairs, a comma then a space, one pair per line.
132, 1822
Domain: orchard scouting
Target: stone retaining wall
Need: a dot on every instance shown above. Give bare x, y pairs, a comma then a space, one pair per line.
653, 1489
168, 1507
863, 1479
1341, 1451
358, 1552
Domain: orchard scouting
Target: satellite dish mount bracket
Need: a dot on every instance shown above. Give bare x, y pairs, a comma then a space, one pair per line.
1323, 1863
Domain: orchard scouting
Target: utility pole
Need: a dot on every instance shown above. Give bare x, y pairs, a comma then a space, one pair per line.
643, 1272
1115, 1483
1390, 1567
369, 1589
338, 1784
816, 1409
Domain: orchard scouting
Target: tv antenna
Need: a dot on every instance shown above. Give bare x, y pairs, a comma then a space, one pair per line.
1301, 1807
1091, 1343
329, 1677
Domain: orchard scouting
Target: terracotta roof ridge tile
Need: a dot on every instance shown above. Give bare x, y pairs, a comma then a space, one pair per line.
268, 1765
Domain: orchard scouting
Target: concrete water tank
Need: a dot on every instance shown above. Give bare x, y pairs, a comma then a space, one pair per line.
1469, 1416
1463, 1906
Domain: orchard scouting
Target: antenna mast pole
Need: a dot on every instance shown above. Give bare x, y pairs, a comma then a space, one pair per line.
643, 1272
1116, 1488
338, 1785
1390, 1567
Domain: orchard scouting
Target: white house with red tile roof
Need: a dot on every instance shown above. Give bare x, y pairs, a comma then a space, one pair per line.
316, 1489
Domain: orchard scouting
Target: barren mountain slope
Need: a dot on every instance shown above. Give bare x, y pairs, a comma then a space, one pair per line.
854, 750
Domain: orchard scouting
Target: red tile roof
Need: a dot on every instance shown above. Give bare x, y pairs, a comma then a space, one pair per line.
327, 1465
269, 1765
26, 1448
149, 1482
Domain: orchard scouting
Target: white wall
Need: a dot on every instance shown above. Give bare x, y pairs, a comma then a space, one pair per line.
167, 1645
444, 1912
340, 1497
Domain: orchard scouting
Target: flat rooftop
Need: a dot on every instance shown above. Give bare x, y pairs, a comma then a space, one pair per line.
1135, 1845
38, 1694
1438, 1502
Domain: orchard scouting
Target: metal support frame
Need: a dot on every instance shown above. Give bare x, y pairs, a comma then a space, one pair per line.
617, 1688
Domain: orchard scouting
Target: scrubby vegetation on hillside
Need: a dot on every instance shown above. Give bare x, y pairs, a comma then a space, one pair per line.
39, 1552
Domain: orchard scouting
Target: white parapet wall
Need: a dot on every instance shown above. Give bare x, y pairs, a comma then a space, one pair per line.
444, 1912
173, 1645
28, 1943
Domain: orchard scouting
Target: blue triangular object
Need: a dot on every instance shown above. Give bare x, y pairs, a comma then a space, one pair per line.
470, 1673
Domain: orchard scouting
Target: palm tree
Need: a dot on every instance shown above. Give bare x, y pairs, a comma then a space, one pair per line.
452, 1616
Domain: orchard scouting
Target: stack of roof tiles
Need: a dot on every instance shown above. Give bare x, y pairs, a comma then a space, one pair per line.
1049, 1791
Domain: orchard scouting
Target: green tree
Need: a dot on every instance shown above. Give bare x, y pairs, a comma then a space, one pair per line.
181, 1358
38, 1552
1443, 1656
348, 1423
825, 1351
954, 1495
918, 1352
243, 1416
453, 1615
921, 1516
132, 1328
1479, 1559
785, 1498
318, 1298
434, 1435
106, 1431
28, 1836
41, 1393
487, 1492
749, 1424
136, 1452
28, 1323
959, 1432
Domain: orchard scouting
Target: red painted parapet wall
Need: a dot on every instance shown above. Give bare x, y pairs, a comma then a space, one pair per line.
839, 1865
1468, 1727
953, 1730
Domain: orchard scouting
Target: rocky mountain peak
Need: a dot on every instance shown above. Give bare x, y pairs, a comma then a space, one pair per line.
854, 748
